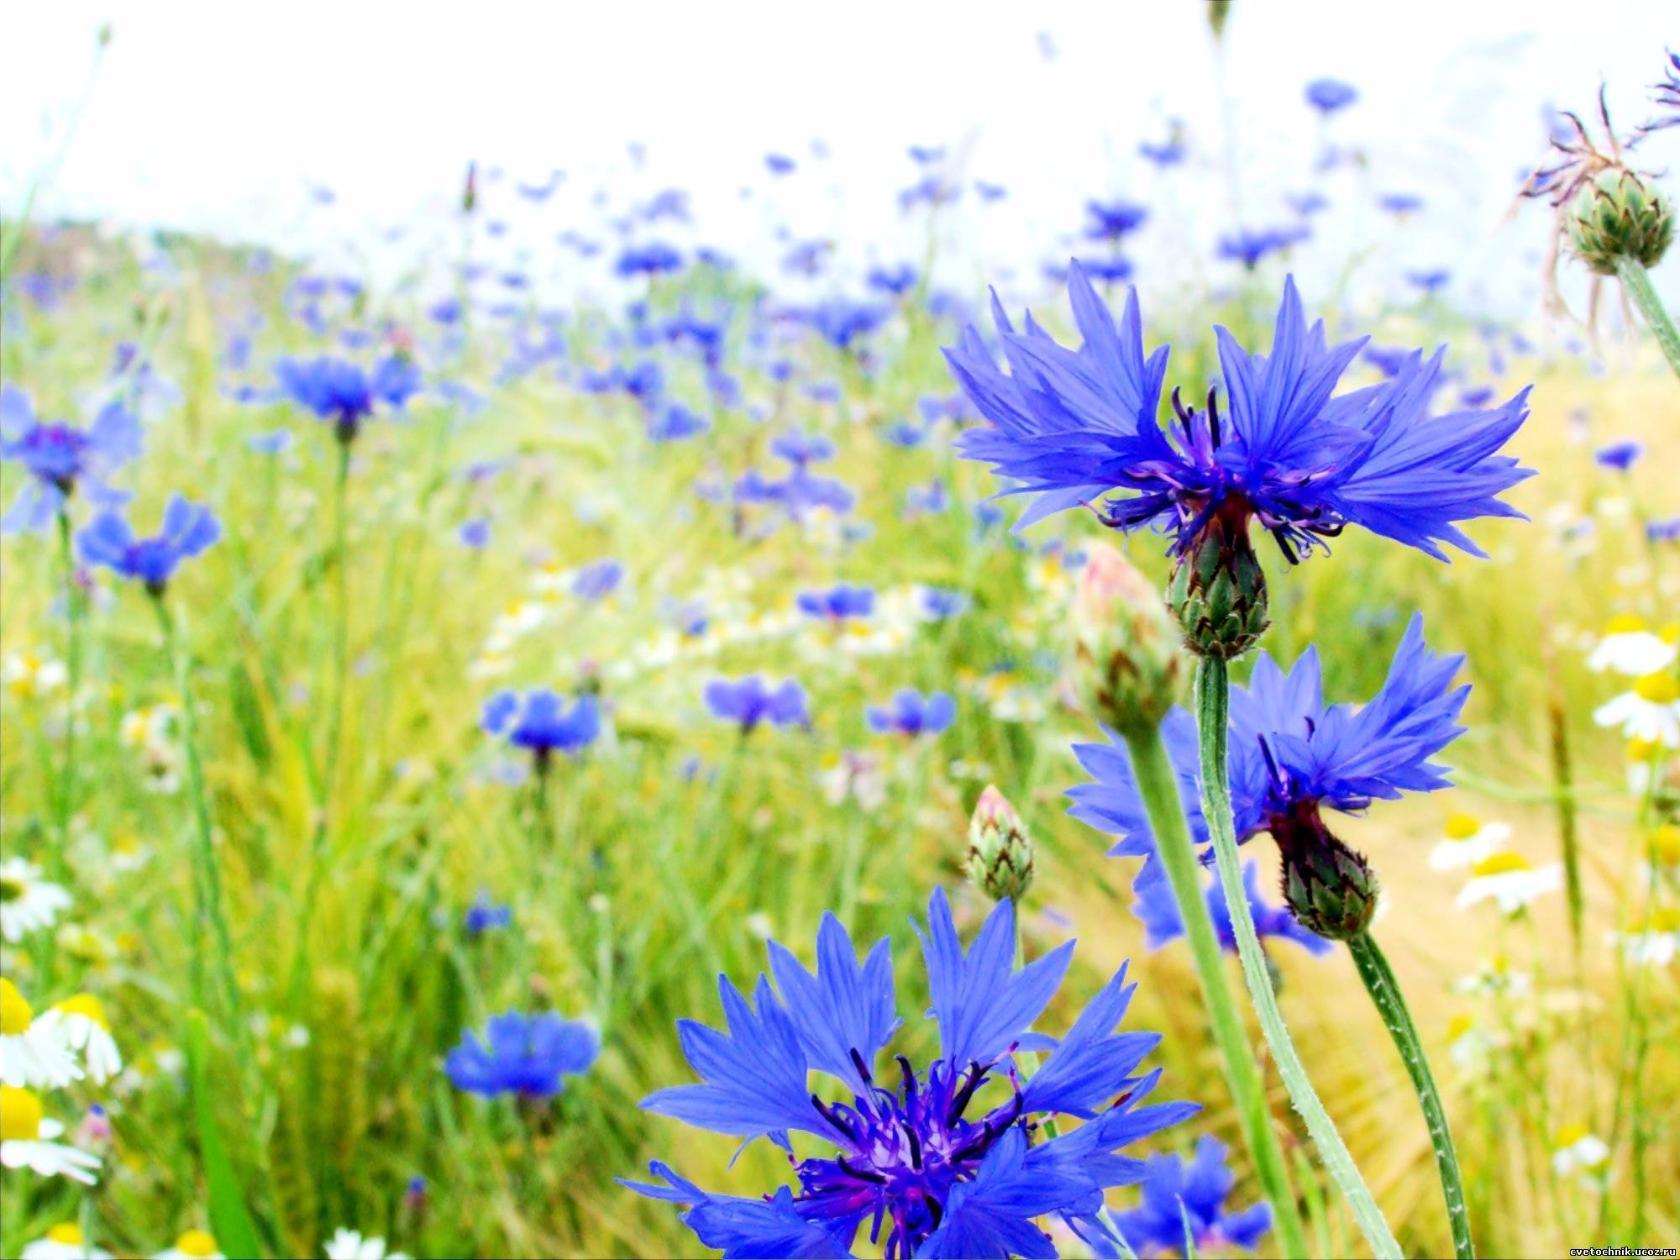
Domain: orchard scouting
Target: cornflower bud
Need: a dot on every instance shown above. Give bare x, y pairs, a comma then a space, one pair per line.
1000, 852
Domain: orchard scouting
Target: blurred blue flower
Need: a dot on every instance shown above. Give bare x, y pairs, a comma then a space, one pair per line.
929, 1178
676, 423
749, 701
1400, 203
895, 281
540, 722
345, 394
527, 1055
837, 603
802, 449
188, 530
1070, 426
939, 603
1111, 220
271, 443
1329, 95
653, 259
474, 533
598, 580
1182, 1198
1248, 246
1620, 456
60, 458
912, 714
779, 164
1429, 281
1157, 909
485, 915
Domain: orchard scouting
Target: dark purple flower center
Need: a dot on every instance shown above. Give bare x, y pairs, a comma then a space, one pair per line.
901, 1151
54, 453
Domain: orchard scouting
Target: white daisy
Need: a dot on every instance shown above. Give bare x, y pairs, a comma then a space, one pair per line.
1576, 1151
87, 1029
1509, 881
1628, 647
28, 903
1496, 979
1650, 712
25, 674
26, 1140
1655, 944
347, 1244
195, 1244
63, 1242
33, 1052
1465, 841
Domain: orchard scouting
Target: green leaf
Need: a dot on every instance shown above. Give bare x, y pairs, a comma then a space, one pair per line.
230, 1221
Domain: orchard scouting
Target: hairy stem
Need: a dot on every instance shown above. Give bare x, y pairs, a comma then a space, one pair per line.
1385, 992
1636, 283
1212, 717
1157, 784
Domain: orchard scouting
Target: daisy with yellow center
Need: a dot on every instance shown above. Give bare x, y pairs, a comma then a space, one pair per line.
1576, 1151
28, 903
26, 1140
33, 1052
1629, 646
87, 1029
1663, 847
195, 1244
27, 675
1655, 944
1466, 840
347, 1244
1650, 712
1508, 880
63, 1242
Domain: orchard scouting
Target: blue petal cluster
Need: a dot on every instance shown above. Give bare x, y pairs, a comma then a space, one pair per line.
944, 1163
540, 722
522, 1054
188, 530
1068, 426
345, 394
1290, 753
1182, 1199
911, 714
1157, 910
750, 701
61, 458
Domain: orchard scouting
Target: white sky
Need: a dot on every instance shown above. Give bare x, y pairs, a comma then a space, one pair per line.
218, 116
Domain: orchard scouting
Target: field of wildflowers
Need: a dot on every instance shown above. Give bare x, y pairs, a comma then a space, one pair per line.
473, 764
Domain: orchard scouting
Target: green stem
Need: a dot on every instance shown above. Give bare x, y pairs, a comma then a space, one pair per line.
1385, 992
1158, 785
1212, 719
1636, 283
341, 622
64, 800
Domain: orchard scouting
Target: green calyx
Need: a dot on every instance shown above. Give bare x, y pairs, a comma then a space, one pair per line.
1218, 590
1618, 216
1330, 889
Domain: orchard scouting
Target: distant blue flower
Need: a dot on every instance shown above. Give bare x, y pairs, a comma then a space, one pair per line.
1109, 270
540, 722
911, 714
188, 530
990, 192
1070, 426
60, 458
1620, 456
1291, 754
271, 443
484, 915
598, 580
843, 322
927, 1177
475, 533
676, 423
926, 154
939, 603
1329, 95
653, 259
1664, 530
1429, 281
838, 603
1170, 152
1308, 204
801, 449
1249, 246
1157, 909
1400, 203
779, 164
344, 393
1111, 220
1389, 360
527, 1055
750, 701
1181, 1197
896, 281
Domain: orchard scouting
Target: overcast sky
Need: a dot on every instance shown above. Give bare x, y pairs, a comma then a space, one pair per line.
221, 117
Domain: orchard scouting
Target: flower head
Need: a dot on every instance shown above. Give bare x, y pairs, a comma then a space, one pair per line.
941, 1164
1187, 1198
522, 1054
838, 603
1291, 757
27, 1140
345, 394
60, 458
189, 529
28, 902
750, 701
1328, 96
1069, 426
911, 714
540, 722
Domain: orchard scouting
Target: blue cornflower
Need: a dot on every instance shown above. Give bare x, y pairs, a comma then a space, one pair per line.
1109, 270
1248, 245
540, 722
188, 529
802, 450
842, 322
938, 603
653, 259
521, 1054
676, 423
344, 393
474, 533
1429, 281
60, 457
1329, 95
1307, 204
895, 281
838, 603
1292, 755
484, 915
779, 164
1400, 203
912, 714
1111, 220
925, 1163
1180, 1198
750, 701
1620, 456
1157, 909
597, 581
990, 192
1069, 426
1171, 151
